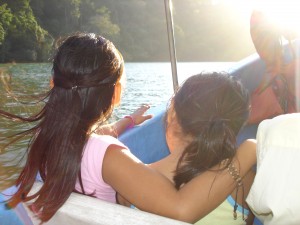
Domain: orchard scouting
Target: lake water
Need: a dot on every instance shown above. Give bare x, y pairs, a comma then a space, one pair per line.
146, 83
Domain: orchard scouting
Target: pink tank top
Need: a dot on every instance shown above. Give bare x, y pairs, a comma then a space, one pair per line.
91, 168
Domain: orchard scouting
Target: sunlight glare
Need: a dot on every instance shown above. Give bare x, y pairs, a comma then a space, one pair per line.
297, 86
285, 14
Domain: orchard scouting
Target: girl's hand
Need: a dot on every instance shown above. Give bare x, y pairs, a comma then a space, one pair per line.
139, 116
117, 128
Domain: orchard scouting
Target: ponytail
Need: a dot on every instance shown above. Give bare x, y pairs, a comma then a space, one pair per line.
214, 144
210, 108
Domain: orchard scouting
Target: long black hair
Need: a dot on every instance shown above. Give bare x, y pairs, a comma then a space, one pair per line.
86, 68
211, 108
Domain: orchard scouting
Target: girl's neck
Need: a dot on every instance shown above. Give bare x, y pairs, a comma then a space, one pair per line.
167, 165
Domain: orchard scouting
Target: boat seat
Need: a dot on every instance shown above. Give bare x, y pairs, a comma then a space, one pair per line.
81, 209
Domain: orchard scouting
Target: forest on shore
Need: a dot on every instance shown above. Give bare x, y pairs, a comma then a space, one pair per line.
204, 31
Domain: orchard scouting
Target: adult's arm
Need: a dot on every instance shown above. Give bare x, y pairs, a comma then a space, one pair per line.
150, 191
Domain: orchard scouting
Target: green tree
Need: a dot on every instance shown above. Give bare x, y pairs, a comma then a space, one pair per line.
101, 23
24, 36
204, 30
142, 25
58, 17
5, 20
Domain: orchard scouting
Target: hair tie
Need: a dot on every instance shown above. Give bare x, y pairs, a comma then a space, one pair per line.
74, 88
132, 122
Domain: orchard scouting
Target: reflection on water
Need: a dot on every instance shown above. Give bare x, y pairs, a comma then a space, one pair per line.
18, 84
146, 83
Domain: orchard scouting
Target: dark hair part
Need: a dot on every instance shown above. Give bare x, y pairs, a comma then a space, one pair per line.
86, 68
211, 108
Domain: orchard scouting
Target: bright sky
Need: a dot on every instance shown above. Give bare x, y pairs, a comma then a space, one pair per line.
285, 13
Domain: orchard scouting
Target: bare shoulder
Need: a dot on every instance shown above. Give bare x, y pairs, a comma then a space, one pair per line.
118, 164
247, 151
122, 155
249, 144
120, 151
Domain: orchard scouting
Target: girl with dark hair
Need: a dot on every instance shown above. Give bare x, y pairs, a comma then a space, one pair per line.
202, 123
210, 109
65, 149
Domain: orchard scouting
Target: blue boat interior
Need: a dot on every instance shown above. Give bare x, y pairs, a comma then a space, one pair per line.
147, 141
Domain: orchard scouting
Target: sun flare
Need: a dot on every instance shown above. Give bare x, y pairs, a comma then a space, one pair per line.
285, 14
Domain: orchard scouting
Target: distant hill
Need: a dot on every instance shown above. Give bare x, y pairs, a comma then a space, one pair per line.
204, 31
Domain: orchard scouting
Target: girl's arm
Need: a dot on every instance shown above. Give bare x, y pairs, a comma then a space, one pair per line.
117, 128
150, 191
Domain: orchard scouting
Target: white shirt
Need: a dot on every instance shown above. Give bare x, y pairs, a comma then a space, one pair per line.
275, 194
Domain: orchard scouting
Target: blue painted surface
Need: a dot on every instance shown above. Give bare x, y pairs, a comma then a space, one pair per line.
8, 217
16, 216
148, 142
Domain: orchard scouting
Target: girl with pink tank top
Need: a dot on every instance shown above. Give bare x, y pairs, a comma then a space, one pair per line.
91, 167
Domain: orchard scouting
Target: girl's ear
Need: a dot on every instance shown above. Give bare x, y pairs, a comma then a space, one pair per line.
51, 82
117, 94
